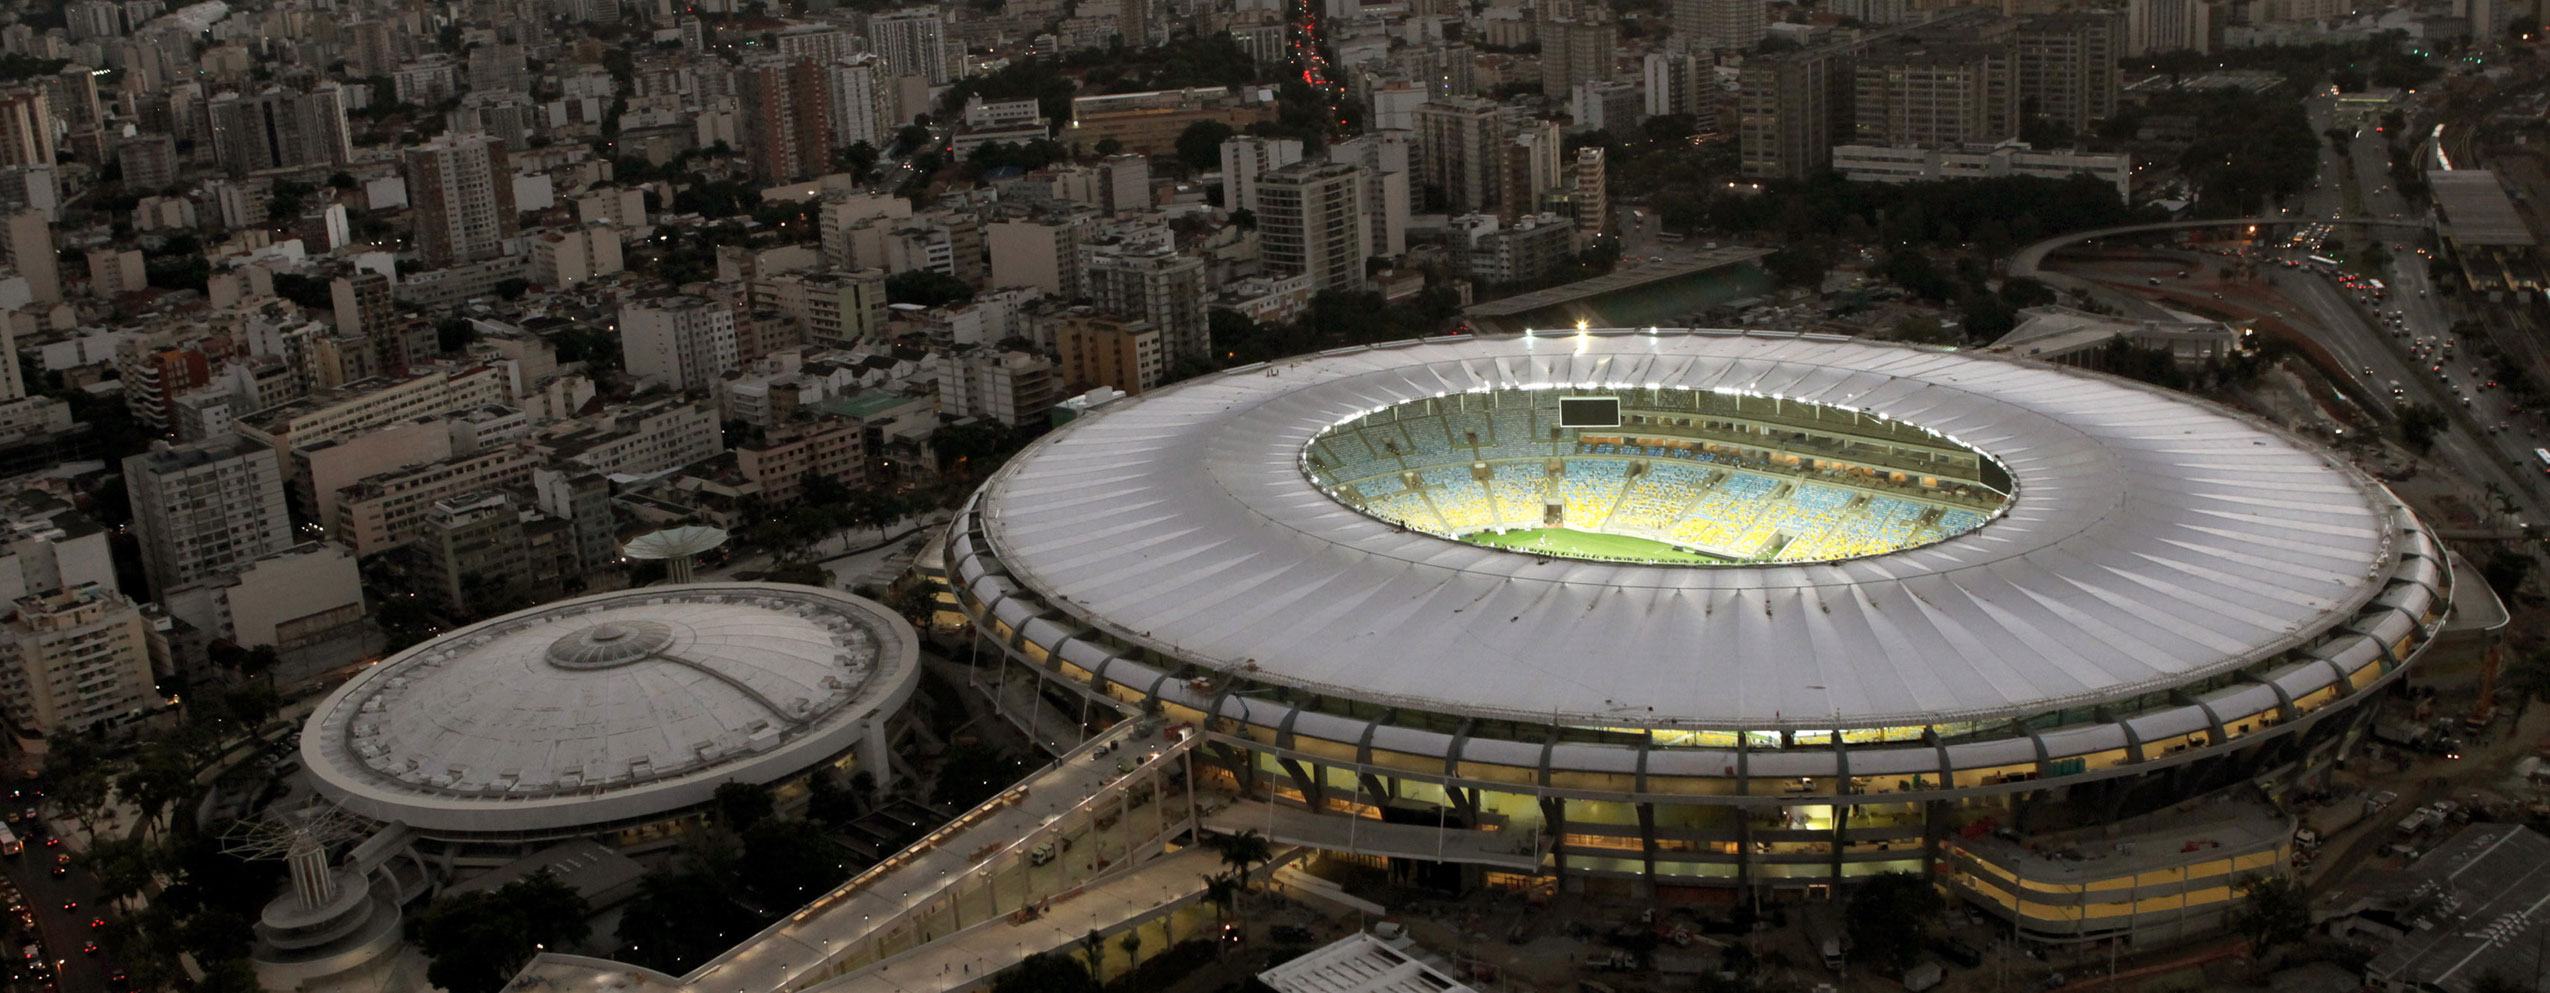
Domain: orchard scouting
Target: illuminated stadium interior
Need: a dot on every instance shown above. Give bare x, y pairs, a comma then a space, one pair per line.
1667, 476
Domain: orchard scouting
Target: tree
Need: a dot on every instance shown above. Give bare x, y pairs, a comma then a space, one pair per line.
1093, 949
2418, 425
968, 448
1888, 918
1045, 972
680, 916
1200, 145
285, 199
831, 802
923, 287
475, 942
125, 868
2529, 677
786, 863
2505, 569
1132, 945
253, 704
824, 489
161, 775
80, 776
1796, 265
1223, 891
1242, 851
971, 772
230, 975
452, 334
2273, 911
859, 159
741, 806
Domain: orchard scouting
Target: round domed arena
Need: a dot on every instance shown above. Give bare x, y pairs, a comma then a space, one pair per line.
1700, 608
614, 715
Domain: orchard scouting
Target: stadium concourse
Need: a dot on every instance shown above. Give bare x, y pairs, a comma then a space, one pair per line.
1644, 610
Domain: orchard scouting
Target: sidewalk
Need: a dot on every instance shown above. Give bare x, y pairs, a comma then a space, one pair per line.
968, 958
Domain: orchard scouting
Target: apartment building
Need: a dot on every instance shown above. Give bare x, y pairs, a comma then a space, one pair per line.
649, 436
205, 509
74, 659
387, 510
1311, 221
790, 453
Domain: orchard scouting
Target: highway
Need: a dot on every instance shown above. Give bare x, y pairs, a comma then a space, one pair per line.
2492, 456
2358, 333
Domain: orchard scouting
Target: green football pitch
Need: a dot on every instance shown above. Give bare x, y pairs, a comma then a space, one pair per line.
1564, 543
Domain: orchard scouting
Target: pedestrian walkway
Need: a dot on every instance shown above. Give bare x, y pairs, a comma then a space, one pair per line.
1077, 826
965, 960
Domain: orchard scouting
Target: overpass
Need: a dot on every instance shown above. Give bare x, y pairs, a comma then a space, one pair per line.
1090, 822
2027, 261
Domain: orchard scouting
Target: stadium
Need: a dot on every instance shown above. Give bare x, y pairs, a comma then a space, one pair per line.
613, 716
1682, 612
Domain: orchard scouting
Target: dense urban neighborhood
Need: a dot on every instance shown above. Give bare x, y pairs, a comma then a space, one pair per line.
1273, 496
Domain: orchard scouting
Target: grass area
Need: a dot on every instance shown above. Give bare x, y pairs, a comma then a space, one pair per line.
1564, 543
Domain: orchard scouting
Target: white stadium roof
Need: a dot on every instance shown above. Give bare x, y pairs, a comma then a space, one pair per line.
2153, 541
608, 707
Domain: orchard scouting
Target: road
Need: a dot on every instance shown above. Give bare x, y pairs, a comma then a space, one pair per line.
2406, 340
63, 930
2494, 435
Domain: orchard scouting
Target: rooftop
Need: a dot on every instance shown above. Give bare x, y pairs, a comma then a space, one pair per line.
1359, 963
2476, 210
2193, 540
609, 706
2155, 841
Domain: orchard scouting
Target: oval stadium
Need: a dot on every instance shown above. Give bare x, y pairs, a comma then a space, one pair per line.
1700, 611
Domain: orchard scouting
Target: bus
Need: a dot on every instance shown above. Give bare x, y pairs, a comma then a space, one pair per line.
2542, 457
2325, 263
9, 843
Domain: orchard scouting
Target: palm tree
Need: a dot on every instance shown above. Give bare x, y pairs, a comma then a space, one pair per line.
1242, 851
1224, 890
1093, 946
1132, 945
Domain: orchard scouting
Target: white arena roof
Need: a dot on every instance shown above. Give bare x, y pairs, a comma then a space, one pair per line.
610, 707
2153, 540
1359, 963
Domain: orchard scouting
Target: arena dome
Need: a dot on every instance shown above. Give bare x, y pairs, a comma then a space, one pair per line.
612, 709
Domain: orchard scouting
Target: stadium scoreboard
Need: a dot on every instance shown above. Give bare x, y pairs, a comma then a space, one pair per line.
1589, 412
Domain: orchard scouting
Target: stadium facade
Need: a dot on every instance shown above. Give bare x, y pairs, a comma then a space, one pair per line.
613, 716
1816, 609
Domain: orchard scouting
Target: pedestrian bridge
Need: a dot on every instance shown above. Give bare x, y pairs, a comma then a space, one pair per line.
1088, 823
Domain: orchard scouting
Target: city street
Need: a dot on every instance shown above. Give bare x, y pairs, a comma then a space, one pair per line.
64, 930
